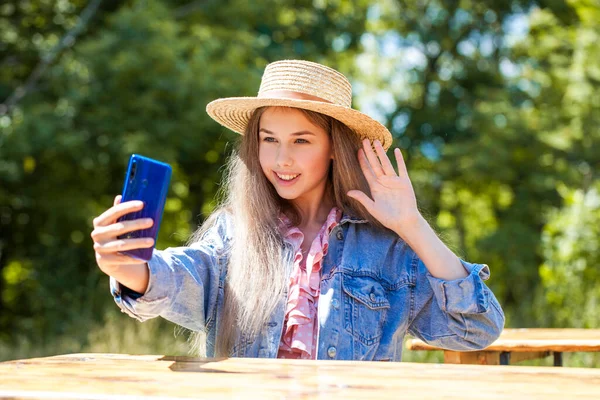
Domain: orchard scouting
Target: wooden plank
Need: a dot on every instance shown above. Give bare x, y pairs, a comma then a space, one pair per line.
488, 357
534, 355
124, 377
535, 340
472, 357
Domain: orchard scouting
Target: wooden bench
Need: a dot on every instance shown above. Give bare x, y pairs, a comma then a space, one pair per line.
119, 376
516, 345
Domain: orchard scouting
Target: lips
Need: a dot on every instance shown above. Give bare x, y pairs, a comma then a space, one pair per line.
285, 182
287, 177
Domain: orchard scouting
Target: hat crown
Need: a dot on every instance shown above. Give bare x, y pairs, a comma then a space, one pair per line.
306, 77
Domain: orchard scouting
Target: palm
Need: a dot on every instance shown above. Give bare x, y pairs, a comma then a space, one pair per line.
394, 203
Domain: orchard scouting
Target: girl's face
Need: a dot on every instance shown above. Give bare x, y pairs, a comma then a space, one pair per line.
294, 154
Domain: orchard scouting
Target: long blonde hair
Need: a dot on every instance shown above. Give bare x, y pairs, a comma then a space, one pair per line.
256, 273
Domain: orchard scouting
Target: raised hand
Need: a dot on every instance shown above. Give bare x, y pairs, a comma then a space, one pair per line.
394, 203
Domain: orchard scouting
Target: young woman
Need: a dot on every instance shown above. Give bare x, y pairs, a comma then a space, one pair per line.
318, 250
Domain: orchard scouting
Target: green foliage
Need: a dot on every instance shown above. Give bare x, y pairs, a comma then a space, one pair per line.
570, 274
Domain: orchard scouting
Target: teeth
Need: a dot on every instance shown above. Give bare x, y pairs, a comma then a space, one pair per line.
287, 177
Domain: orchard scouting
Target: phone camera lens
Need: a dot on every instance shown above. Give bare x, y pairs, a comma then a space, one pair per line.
132, 172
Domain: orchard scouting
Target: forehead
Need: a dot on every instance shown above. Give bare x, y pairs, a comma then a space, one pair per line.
285, 120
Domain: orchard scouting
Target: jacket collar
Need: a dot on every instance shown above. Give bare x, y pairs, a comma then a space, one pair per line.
352, 218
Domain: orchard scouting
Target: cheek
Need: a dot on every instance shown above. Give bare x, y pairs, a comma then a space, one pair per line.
326, 165
263, 159
319, 163
325, 159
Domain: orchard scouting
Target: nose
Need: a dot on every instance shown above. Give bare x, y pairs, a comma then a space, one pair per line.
283, 157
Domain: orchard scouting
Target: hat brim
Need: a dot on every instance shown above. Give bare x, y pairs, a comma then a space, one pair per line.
235, 112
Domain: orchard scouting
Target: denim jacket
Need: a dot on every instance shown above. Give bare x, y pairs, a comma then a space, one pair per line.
374, 289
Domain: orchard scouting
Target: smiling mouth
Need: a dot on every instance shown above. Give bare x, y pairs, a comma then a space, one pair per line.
286, 178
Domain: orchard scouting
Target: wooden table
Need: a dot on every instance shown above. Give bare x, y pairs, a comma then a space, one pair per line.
125, 377
515, 345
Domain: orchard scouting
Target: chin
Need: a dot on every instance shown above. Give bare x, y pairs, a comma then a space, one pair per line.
287, 196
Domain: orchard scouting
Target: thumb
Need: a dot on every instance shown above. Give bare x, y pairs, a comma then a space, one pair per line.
117, 200
361, 198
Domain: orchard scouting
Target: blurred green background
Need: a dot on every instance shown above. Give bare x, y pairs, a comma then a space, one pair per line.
496, 105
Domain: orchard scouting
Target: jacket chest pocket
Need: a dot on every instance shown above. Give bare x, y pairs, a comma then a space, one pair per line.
365, 308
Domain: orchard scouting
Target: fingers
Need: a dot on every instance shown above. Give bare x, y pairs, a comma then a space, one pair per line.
114, 259
123, 245
402, 172
378, 160
112, 214
362, 198
386, 165
106, 230
366, 167
372, 158
108, 233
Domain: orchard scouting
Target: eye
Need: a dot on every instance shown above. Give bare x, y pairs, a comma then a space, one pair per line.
272, 140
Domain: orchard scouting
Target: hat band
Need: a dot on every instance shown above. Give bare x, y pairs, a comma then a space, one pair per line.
290, 95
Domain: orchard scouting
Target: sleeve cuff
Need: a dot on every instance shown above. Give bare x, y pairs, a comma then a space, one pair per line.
466, 295
149, 304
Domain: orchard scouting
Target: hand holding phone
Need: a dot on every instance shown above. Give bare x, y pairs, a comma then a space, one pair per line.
147, 180
124, 235
127, 270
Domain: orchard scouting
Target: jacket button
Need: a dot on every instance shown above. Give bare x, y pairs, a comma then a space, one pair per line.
373, 297
340, 235
335, 303
331, 352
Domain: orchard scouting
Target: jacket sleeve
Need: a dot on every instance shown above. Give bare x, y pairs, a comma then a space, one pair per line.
183, 284
461, 314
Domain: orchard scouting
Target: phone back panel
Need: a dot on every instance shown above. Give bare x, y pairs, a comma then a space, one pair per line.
146, 180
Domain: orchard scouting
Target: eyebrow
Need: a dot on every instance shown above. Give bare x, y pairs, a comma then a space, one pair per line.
299, 133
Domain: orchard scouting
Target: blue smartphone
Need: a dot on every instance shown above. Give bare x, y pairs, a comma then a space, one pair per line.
146, 180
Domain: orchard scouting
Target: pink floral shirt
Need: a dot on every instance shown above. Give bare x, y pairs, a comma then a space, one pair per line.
299, 338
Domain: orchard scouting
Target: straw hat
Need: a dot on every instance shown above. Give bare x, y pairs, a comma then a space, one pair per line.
300, 84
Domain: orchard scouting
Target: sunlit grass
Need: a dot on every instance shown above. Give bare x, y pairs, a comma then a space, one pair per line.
124, 335
117, 334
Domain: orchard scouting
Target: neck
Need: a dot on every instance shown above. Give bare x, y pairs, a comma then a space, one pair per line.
314, 214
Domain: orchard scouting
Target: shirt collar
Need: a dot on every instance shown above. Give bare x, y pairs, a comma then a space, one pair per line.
334, 217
